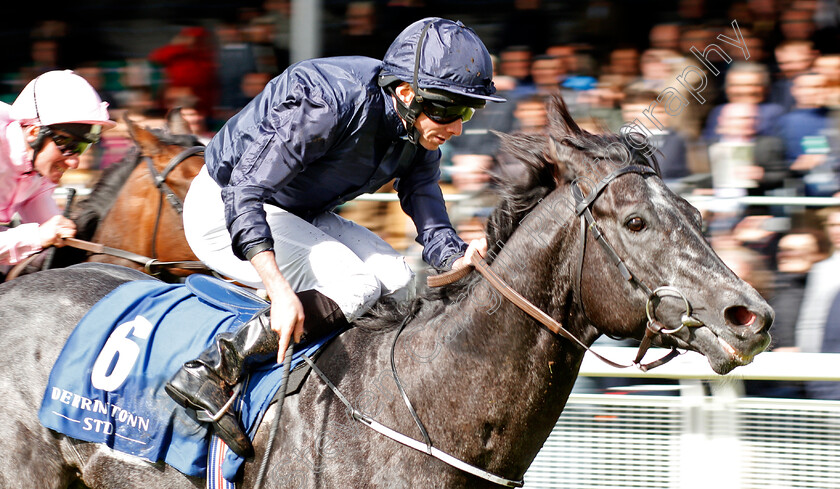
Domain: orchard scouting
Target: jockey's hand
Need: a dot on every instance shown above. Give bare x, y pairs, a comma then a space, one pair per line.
286, 320
54, 230
286, 310
476, 250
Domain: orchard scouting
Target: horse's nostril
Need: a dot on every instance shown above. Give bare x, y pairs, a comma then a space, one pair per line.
740, 316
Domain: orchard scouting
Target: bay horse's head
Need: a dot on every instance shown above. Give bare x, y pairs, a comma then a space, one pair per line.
651, 269
137, 203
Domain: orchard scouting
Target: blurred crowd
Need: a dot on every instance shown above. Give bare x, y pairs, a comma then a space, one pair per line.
740, 98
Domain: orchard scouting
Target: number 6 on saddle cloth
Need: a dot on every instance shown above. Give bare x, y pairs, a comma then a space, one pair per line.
107, 385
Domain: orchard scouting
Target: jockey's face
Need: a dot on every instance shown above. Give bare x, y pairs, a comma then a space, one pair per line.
51, 162
432, 134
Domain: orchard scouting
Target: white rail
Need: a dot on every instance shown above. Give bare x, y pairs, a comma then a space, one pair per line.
691, 365
699, 438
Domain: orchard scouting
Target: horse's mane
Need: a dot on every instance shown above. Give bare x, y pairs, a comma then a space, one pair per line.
89, 212
576, 152
544, 170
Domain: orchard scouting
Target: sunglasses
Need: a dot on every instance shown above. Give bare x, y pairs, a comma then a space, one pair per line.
447, 114
69, 145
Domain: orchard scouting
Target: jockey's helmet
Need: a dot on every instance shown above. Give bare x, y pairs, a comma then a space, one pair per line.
62, 98
444, 62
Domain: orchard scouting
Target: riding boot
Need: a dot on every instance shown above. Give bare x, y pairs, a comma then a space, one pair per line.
206, 383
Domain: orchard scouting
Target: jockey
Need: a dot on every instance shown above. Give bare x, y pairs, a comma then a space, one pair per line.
320, 134
56, 117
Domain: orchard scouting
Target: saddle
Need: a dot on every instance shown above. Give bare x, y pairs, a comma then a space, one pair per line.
107, 385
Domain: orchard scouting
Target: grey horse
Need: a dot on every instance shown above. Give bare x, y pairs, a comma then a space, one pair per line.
487, 380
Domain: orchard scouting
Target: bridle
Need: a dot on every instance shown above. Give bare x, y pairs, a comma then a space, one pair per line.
584, 203
165, 191
588, 224
654, 327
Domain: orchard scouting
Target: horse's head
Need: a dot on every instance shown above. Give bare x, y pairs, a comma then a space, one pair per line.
168, 150
590, 184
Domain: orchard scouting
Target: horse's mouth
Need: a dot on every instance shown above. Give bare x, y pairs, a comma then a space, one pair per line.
740, 358
725, 351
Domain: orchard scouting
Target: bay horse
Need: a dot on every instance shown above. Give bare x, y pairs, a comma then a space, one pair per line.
486, 379
134, 207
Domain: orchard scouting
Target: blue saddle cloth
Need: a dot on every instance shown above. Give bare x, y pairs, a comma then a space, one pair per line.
107, 385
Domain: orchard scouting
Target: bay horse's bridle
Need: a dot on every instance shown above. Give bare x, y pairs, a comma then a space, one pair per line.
166, 192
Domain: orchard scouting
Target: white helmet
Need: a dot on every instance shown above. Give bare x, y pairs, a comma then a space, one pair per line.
60, 97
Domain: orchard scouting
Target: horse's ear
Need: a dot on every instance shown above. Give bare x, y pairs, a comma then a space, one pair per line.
560, 120
176, 123
149, 143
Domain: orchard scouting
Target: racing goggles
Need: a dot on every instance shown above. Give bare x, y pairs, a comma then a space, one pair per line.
68, 145
447, 114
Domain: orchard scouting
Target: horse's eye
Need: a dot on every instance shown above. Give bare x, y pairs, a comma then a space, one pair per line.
635, 224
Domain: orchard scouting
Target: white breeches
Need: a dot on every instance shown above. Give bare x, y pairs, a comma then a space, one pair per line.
339, 258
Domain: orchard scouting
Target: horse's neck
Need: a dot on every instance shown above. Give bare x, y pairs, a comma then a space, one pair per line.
510, 376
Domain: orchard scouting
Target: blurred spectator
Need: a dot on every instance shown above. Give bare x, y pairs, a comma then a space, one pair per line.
188, 61
530, 115
576, 72
278, 13
183, 98
792, 58
829, 65
656, 71
44, 54
797, 24
360, 35
260, 34
747, 83
665, 36
821, 287
749, 265
546, 74
756, 46
804, 131
95, 76
797, 252
622, 68
236, 59
670, 144
254, 83
741, 158
830, 344
697, 36
471, 173
515, 62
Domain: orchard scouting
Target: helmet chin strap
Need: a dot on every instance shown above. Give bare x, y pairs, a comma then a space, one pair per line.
409, 114
37, 146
